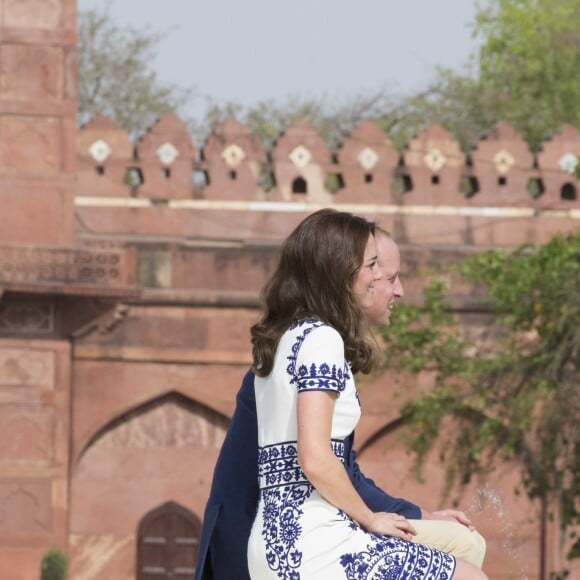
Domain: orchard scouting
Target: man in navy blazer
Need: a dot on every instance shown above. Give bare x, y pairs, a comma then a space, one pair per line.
230, 510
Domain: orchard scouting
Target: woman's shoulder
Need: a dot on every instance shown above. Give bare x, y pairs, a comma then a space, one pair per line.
314, 330
310, 325
315, 346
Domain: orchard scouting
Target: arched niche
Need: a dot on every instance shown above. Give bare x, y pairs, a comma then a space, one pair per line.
176, 420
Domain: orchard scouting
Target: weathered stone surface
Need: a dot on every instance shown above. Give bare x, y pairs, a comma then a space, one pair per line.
32, 72
434, 163
165, 154
503, 164
94, 556
34, 427
29, 264
234, 160
41, 14
558, 160
367, 160
105, 158
301, 158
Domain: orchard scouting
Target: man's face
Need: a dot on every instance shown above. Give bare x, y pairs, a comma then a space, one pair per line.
389, 288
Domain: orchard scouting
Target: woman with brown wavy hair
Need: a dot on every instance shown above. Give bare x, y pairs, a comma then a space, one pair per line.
310, 341
319, 285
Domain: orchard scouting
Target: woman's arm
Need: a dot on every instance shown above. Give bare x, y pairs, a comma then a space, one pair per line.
327, 474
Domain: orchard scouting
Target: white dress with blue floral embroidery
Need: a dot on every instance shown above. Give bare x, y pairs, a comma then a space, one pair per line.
298, 535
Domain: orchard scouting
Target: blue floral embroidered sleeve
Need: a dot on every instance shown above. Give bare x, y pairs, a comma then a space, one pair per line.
319, 360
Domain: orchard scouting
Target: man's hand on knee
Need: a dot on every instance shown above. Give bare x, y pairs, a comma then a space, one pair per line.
449, 516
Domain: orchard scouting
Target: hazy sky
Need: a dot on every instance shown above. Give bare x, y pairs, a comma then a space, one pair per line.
251, 50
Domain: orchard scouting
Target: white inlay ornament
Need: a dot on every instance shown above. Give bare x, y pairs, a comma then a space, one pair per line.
434, 159
568, 163
167, 153
100, 151
300, 156
233, 155
503, 161
367, 158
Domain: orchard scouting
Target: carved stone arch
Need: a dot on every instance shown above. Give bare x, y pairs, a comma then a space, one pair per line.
167, 543
212, 417
158, 450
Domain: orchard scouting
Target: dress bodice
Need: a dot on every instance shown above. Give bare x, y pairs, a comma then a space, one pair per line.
310, 356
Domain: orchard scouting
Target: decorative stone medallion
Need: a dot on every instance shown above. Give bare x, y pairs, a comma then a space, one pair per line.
434, 159
167, 153
300, 156
100, 151
568, 163
233, 155
367, 158
27, 317
503, 161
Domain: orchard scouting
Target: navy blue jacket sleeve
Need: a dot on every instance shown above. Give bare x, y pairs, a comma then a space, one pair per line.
233, 499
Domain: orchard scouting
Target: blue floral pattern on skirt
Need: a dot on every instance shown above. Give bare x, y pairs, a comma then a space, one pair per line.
281, 528
389, 558
283, 491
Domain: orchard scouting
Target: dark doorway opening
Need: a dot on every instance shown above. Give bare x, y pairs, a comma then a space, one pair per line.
167, 543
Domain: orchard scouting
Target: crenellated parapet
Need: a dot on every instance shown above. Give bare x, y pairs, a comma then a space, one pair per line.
300, 160
433, 164
367, 161
164, 158
365, 168
232, 162
502, 167
104, 158
557, 163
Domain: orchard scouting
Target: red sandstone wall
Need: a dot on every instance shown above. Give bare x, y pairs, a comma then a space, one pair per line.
155, 286
34, 450
37, 120
37, 174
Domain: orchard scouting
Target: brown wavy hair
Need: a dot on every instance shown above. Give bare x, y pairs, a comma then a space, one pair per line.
314, 279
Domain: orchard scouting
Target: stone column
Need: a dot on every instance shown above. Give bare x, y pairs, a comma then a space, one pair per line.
37, 120
34, 445
37, 176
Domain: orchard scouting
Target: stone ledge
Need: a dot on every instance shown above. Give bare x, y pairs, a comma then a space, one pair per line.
57, 270
163, 355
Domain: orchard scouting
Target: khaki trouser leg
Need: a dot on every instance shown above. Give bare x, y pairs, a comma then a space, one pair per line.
451, 537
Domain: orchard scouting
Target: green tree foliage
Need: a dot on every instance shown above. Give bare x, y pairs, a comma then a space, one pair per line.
459, 102
333, 118
53, 565
530, 57
525, 71
115, 74
513, 397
